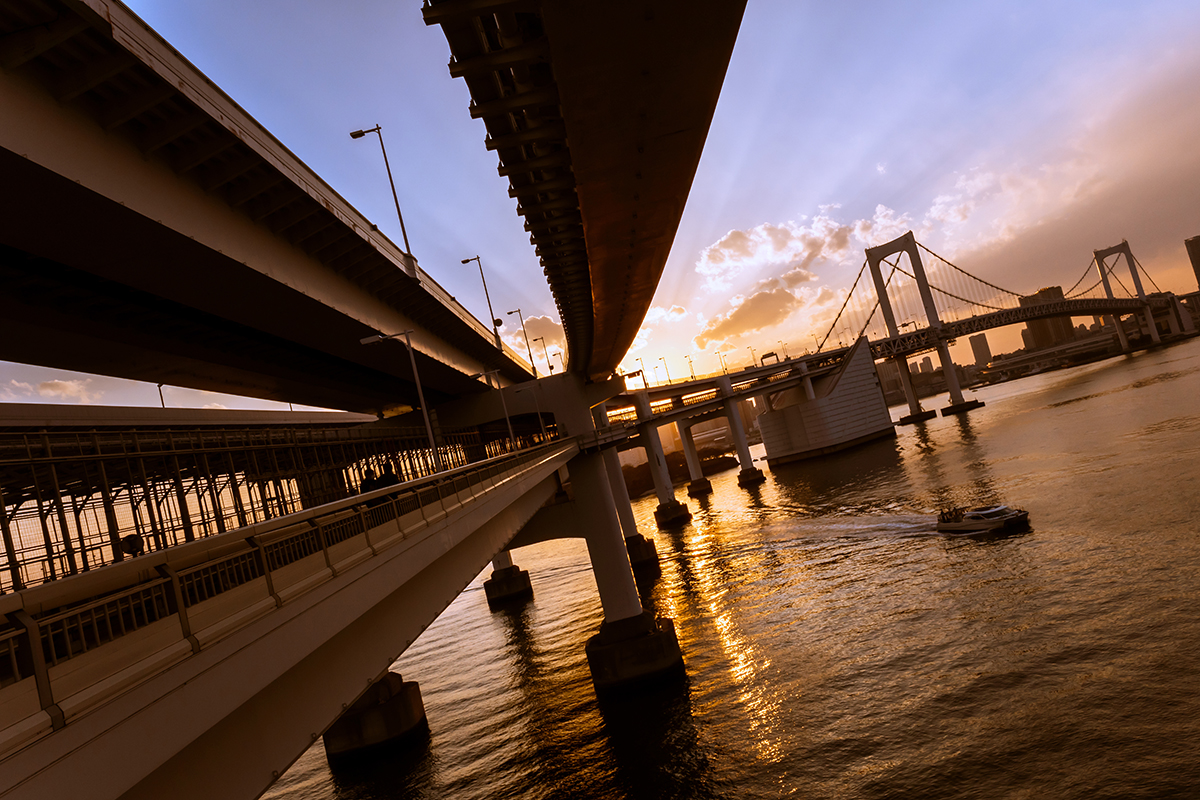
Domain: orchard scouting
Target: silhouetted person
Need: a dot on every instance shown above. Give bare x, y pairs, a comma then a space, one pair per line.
369, 481
132, 545
388, 478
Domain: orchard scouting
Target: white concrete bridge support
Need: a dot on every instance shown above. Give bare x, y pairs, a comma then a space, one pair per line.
643, 555
698, 485
749, 475
908, 244
631, 646
670, 512
915, 412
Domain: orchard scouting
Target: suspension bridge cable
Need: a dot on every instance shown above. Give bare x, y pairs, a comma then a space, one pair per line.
969, 275
1086, 270
1147, 274
850, 294
1118, 280
956, 297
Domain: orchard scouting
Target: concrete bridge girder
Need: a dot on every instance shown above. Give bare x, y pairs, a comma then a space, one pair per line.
256, 699
163, 247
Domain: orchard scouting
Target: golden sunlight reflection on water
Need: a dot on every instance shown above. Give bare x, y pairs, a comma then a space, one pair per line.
837, 646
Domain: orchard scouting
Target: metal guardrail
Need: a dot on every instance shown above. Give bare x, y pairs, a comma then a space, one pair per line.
80, 625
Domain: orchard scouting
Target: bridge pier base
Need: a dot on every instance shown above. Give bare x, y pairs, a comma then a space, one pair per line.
960, 408
634, 651
643, 555
508, 582
390, 712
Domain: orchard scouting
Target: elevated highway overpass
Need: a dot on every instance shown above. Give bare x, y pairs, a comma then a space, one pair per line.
150, 229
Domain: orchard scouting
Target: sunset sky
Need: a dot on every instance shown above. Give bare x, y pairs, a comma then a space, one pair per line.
1013, 137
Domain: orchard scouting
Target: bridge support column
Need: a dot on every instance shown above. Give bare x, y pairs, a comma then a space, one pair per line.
958, 405
390, 711
643, 555
875, 255
749, 475
632, 646
670, 512
508, 582
699, 485
915, 412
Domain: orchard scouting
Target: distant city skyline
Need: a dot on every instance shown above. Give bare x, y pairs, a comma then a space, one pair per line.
1013, 138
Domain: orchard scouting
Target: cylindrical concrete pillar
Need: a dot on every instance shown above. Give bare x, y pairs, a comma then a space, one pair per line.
605, 543
698, 484
749, 474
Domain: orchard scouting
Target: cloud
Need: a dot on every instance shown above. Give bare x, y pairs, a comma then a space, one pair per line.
8, 395
658, 315
882, 227
1132, 172
761, 310
543, 327
76, 390
790, 248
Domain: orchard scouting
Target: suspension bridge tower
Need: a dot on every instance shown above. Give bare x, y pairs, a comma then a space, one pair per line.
1119, 250
875, 256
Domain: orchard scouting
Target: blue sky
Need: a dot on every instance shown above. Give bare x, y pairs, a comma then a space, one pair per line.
1013, 137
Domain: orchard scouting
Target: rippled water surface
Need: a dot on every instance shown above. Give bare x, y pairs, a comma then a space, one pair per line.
838, 647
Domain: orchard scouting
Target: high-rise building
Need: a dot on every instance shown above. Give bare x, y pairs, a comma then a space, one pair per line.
1048, 332
927, 364
1193, 251
981, 350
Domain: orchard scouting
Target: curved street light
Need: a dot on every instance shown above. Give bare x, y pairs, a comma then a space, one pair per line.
437, 457
528, 349
665, 369
545, 352
495, 322
691, 366
379, 132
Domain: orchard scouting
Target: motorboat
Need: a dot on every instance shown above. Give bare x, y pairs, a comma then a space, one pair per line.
984, 518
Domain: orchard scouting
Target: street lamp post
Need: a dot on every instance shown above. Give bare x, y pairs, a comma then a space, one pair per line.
528, 349
665, 368
437, 457
645, 384
545, 352
783, 344
379, 132
691, 366
538, 404
561, 362
507, 421
753, 357
721, 356
491, 314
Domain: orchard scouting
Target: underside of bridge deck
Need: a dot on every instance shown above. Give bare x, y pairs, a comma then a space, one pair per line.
598, 112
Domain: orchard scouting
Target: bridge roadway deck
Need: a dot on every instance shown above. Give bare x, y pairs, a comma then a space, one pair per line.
208, 668
153, 230
685, 399
924, 339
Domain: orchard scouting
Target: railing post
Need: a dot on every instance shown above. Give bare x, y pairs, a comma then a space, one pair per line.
177, 604
264, 568
41, 674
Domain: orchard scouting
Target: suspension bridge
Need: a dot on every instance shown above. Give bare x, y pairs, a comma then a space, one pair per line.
942, 302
